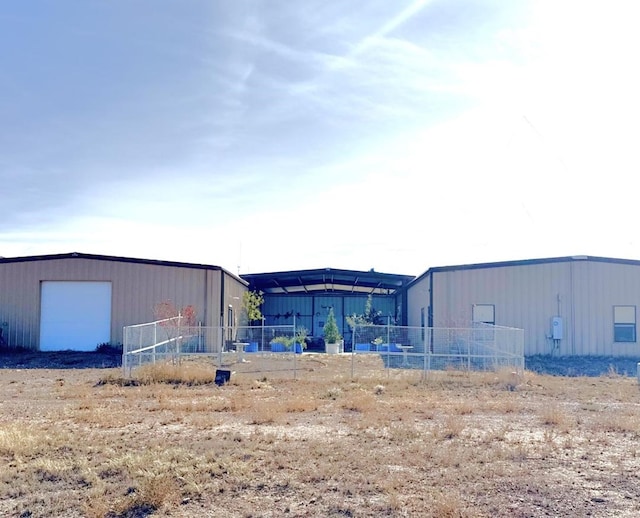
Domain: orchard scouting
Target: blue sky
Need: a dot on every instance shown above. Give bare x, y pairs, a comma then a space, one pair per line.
278, 135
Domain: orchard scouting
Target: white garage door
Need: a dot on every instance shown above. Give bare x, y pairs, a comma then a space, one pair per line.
74, 315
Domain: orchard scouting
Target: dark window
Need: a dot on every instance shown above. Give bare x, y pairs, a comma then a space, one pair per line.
624, 332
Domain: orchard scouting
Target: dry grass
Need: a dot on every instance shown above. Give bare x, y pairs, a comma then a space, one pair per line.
88, 443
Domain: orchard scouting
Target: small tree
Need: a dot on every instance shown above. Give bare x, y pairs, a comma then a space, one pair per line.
166, 310
330, 331
371, 315
174, 321
301, 336
251, 304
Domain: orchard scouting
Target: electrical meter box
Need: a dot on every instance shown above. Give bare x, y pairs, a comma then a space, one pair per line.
556, 328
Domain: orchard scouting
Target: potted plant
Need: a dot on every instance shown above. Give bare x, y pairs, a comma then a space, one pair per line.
280, 344
285, 343
331, 334
300, 340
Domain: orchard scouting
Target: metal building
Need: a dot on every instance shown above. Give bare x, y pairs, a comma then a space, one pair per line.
76, 301
307, 296
579, 305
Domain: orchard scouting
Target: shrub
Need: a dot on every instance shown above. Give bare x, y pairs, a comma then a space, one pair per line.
330, 331
107, 348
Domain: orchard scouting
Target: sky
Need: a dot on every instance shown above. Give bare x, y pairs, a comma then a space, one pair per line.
275, 135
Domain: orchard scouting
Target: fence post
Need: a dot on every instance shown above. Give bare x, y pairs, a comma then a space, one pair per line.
520, 333
354, 339
295, 361
124, 351
155, 340
220, 339
388, 345
424, 363
430, 332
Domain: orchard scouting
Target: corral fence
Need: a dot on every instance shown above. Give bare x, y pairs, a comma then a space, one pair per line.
269, 349
483, 347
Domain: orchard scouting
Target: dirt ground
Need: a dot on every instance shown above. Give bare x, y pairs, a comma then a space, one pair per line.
76, 442
59, 360
556, 366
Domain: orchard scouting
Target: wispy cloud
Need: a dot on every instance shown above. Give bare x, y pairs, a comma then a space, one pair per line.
234, 117
396, 21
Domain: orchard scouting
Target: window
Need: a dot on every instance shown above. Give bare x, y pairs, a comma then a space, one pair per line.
483, 314
422, 321
624, 323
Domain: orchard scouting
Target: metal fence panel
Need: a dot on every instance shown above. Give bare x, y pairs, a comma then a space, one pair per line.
482, 347
169, 340
275, 348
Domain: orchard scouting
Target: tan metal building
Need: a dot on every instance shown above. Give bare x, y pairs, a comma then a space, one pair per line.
76, 300
580, 305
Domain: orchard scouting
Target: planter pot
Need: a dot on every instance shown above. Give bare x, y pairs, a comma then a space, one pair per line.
334, 348
278, 347
298, 348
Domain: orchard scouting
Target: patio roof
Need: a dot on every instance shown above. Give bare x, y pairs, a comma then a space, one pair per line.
327, 280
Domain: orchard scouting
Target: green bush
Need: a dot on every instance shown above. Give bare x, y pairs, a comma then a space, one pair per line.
330, 331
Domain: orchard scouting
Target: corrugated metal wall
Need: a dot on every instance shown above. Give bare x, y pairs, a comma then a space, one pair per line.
136, 289
311, 310
597, 288
280, 309
19, 304
582, 292
524, 296
418, 302
232, 295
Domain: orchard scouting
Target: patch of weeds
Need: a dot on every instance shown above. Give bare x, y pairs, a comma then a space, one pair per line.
107, 348
333, 393
134, 511
119, 381
552, 415
450, 429
360, 403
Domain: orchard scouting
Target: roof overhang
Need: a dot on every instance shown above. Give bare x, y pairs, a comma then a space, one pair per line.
327, 280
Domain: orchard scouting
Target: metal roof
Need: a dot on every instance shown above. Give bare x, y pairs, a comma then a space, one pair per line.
327, 280
527, 262
80, 255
